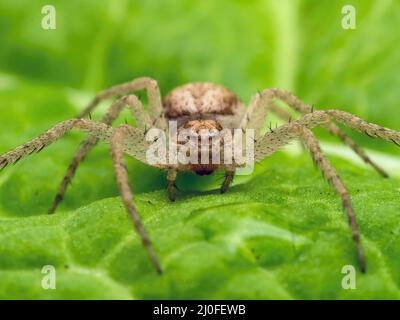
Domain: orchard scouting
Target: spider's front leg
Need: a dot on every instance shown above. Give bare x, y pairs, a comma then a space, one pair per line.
117, 148
276, 139
143, 121
311, 143
265, 101
229, 174
171, 177
99, 130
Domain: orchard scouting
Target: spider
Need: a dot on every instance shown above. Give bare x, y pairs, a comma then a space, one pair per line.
197, 106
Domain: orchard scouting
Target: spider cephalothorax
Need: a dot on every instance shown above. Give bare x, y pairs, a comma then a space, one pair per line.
197, 127
196, 107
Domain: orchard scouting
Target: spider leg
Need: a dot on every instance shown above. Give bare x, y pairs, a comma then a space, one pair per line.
229, 174
99, 130
80, 154
334, 129
265, 102
256, 113
330, 174
121, 175
272, 141
153, 95
171, 177
142, 119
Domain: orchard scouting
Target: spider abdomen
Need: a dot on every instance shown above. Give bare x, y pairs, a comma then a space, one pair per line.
199, 99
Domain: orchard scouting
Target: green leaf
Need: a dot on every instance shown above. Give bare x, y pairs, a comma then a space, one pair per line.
280, 235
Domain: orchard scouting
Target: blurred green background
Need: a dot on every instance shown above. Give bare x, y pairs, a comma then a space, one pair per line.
49, 75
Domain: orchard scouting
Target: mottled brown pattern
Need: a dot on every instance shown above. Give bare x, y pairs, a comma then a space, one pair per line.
198, 125
200, 98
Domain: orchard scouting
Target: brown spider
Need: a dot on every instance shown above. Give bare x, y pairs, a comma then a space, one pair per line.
203, 106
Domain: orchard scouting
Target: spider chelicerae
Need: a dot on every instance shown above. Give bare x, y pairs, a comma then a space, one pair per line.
199, 106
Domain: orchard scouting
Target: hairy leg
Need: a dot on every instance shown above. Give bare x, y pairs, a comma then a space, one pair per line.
142, 119
126, 194
229, 174
330, 174
171, 177
153, 95
80, 154
277, 138
272, 141
99, 130
262, 102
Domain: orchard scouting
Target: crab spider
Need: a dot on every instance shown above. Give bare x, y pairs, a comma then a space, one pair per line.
198, 106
